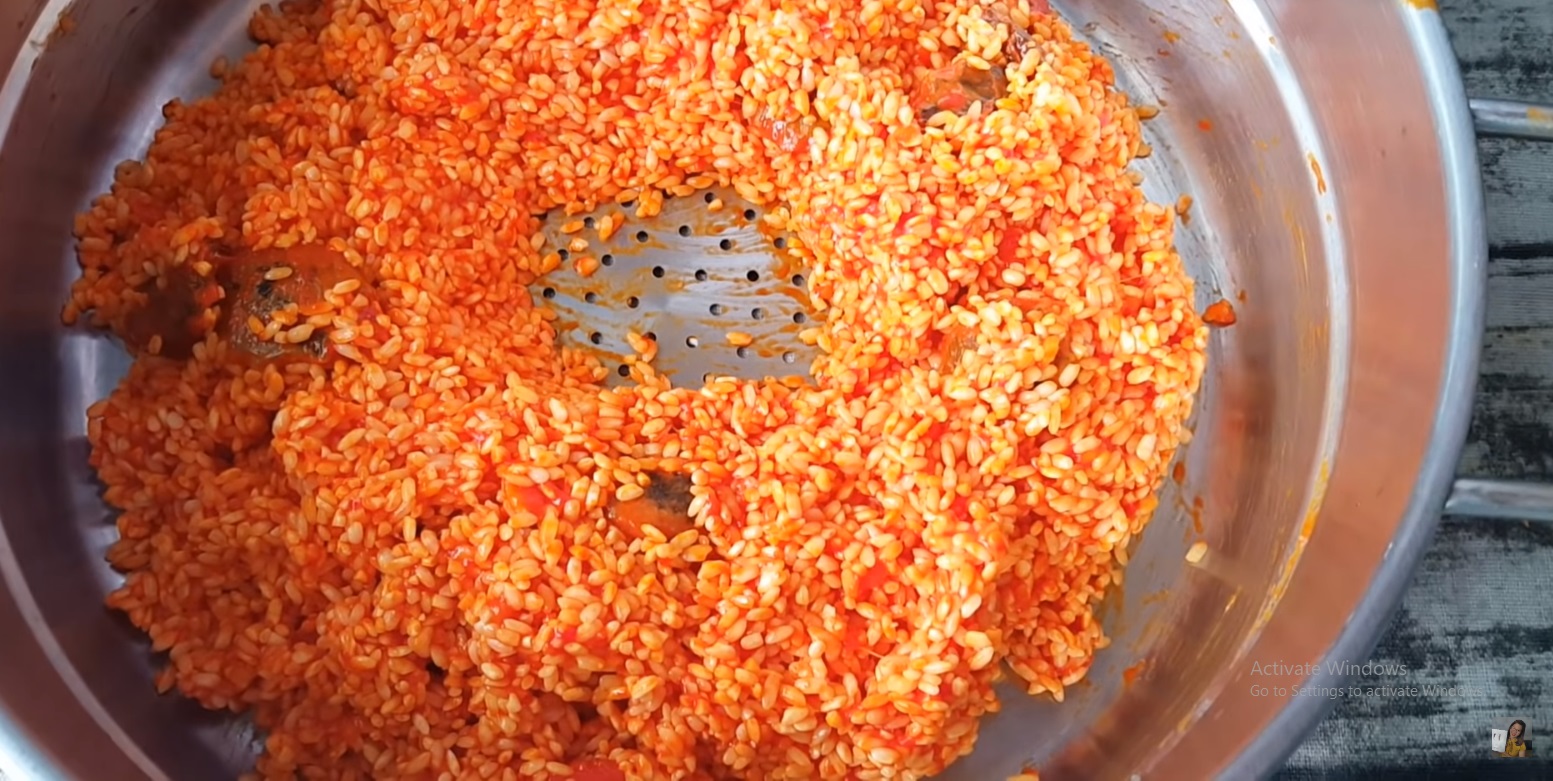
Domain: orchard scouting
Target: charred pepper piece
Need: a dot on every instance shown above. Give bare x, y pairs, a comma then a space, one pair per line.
665, 506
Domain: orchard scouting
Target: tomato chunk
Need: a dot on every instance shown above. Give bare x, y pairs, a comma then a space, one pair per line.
788, 134
954, 343
1219, 313
597, 770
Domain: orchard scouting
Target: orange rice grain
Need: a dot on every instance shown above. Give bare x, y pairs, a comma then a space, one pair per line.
446, 549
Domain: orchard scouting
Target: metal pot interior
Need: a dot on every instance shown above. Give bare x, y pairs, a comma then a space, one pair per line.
1320, 211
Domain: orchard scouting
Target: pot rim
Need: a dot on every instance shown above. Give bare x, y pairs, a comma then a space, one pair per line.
1451, 111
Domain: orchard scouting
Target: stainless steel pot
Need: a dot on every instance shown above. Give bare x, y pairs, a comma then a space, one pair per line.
1328, 148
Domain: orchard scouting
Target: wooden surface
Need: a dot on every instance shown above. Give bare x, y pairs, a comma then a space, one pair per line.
1479, 615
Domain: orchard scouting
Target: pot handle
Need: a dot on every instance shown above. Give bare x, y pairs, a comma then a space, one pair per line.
1505, 499
1512, 119
1512, 500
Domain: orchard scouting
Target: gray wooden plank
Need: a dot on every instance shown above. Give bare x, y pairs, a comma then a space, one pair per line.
1512, 423
1510, 435
1502, 46
1521, 292
1518, 195
1485, 631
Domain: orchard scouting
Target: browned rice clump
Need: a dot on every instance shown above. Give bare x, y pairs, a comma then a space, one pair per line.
405, 558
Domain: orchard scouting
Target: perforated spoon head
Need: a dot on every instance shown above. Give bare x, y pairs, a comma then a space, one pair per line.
719, 294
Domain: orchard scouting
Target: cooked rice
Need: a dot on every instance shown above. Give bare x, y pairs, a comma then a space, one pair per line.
401, 559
